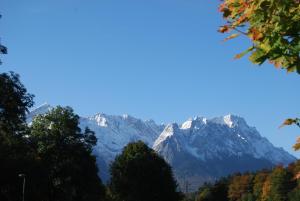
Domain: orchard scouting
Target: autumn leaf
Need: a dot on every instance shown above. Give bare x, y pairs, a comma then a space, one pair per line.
238, 56
297, 145
269, 25
288, 122
224, 29
231, 37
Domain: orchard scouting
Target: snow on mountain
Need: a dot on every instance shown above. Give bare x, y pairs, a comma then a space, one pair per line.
204, 149
115, 132
199, 149
230, 134
42, 109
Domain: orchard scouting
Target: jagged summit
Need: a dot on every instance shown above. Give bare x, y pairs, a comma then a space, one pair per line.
168, 131
195, 122
227, 120
230, 120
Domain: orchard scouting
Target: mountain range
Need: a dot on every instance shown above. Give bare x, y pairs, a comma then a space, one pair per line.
199, 149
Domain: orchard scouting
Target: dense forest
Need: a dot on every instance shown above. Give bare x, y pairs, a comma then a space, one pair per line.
279, 184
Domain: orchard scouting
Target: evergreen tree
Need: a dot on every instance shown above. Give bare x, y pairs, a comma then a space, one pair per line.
240, 187
258, 183
220, 189
280, 183
294, 195
205, 193
215, 192
139, 174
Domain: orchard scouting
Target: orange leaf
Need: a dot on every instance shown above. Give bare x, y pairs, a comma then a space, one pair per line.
288, 122
224, 29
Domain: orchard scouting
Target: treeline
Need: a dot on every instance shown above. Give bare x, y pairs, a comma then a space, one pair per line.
279, 184
51, 159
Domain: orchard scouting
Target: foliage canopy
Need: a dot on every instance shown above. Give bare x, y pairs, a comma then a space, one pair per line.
273, 26
65, 153
139, 174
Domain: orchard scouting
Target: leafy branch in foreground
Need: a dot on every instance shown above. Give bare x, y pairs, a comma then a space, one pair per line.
289, 122
272, 26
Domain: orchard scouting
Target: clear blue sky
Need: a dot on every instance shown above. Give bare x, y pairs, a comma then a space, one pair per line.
158, 59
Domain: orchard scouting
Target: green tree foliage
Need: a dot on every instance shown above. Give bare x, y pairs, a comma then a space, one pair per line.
280, 184
66, 156
53, 153
220, 189
15, 153
258, 184
272, 26
294, 168
294, 195
215, 192
14, 103
205, 193
240, 187
139, 174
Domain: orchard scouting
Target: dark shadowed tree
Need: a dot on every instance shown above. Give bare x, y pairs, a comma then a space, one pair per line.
14, 103
214, 192
15, 154
258, 184
139, 174
240, 187
66, 156
205, 193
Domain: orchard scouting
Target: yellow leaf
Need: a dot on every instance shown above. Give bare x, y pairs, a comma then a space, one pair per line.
291, 69
297, 145
231, 37
238, 56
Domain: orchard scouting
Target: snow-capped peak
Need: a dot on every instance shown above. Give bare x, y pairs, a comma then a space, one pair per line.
228, 121
169, 130
187, 124
193, 122
101, 120
231, 121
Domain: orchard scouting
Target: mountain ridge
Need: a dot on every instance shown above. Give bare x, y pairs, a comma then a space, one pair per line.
199, 149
